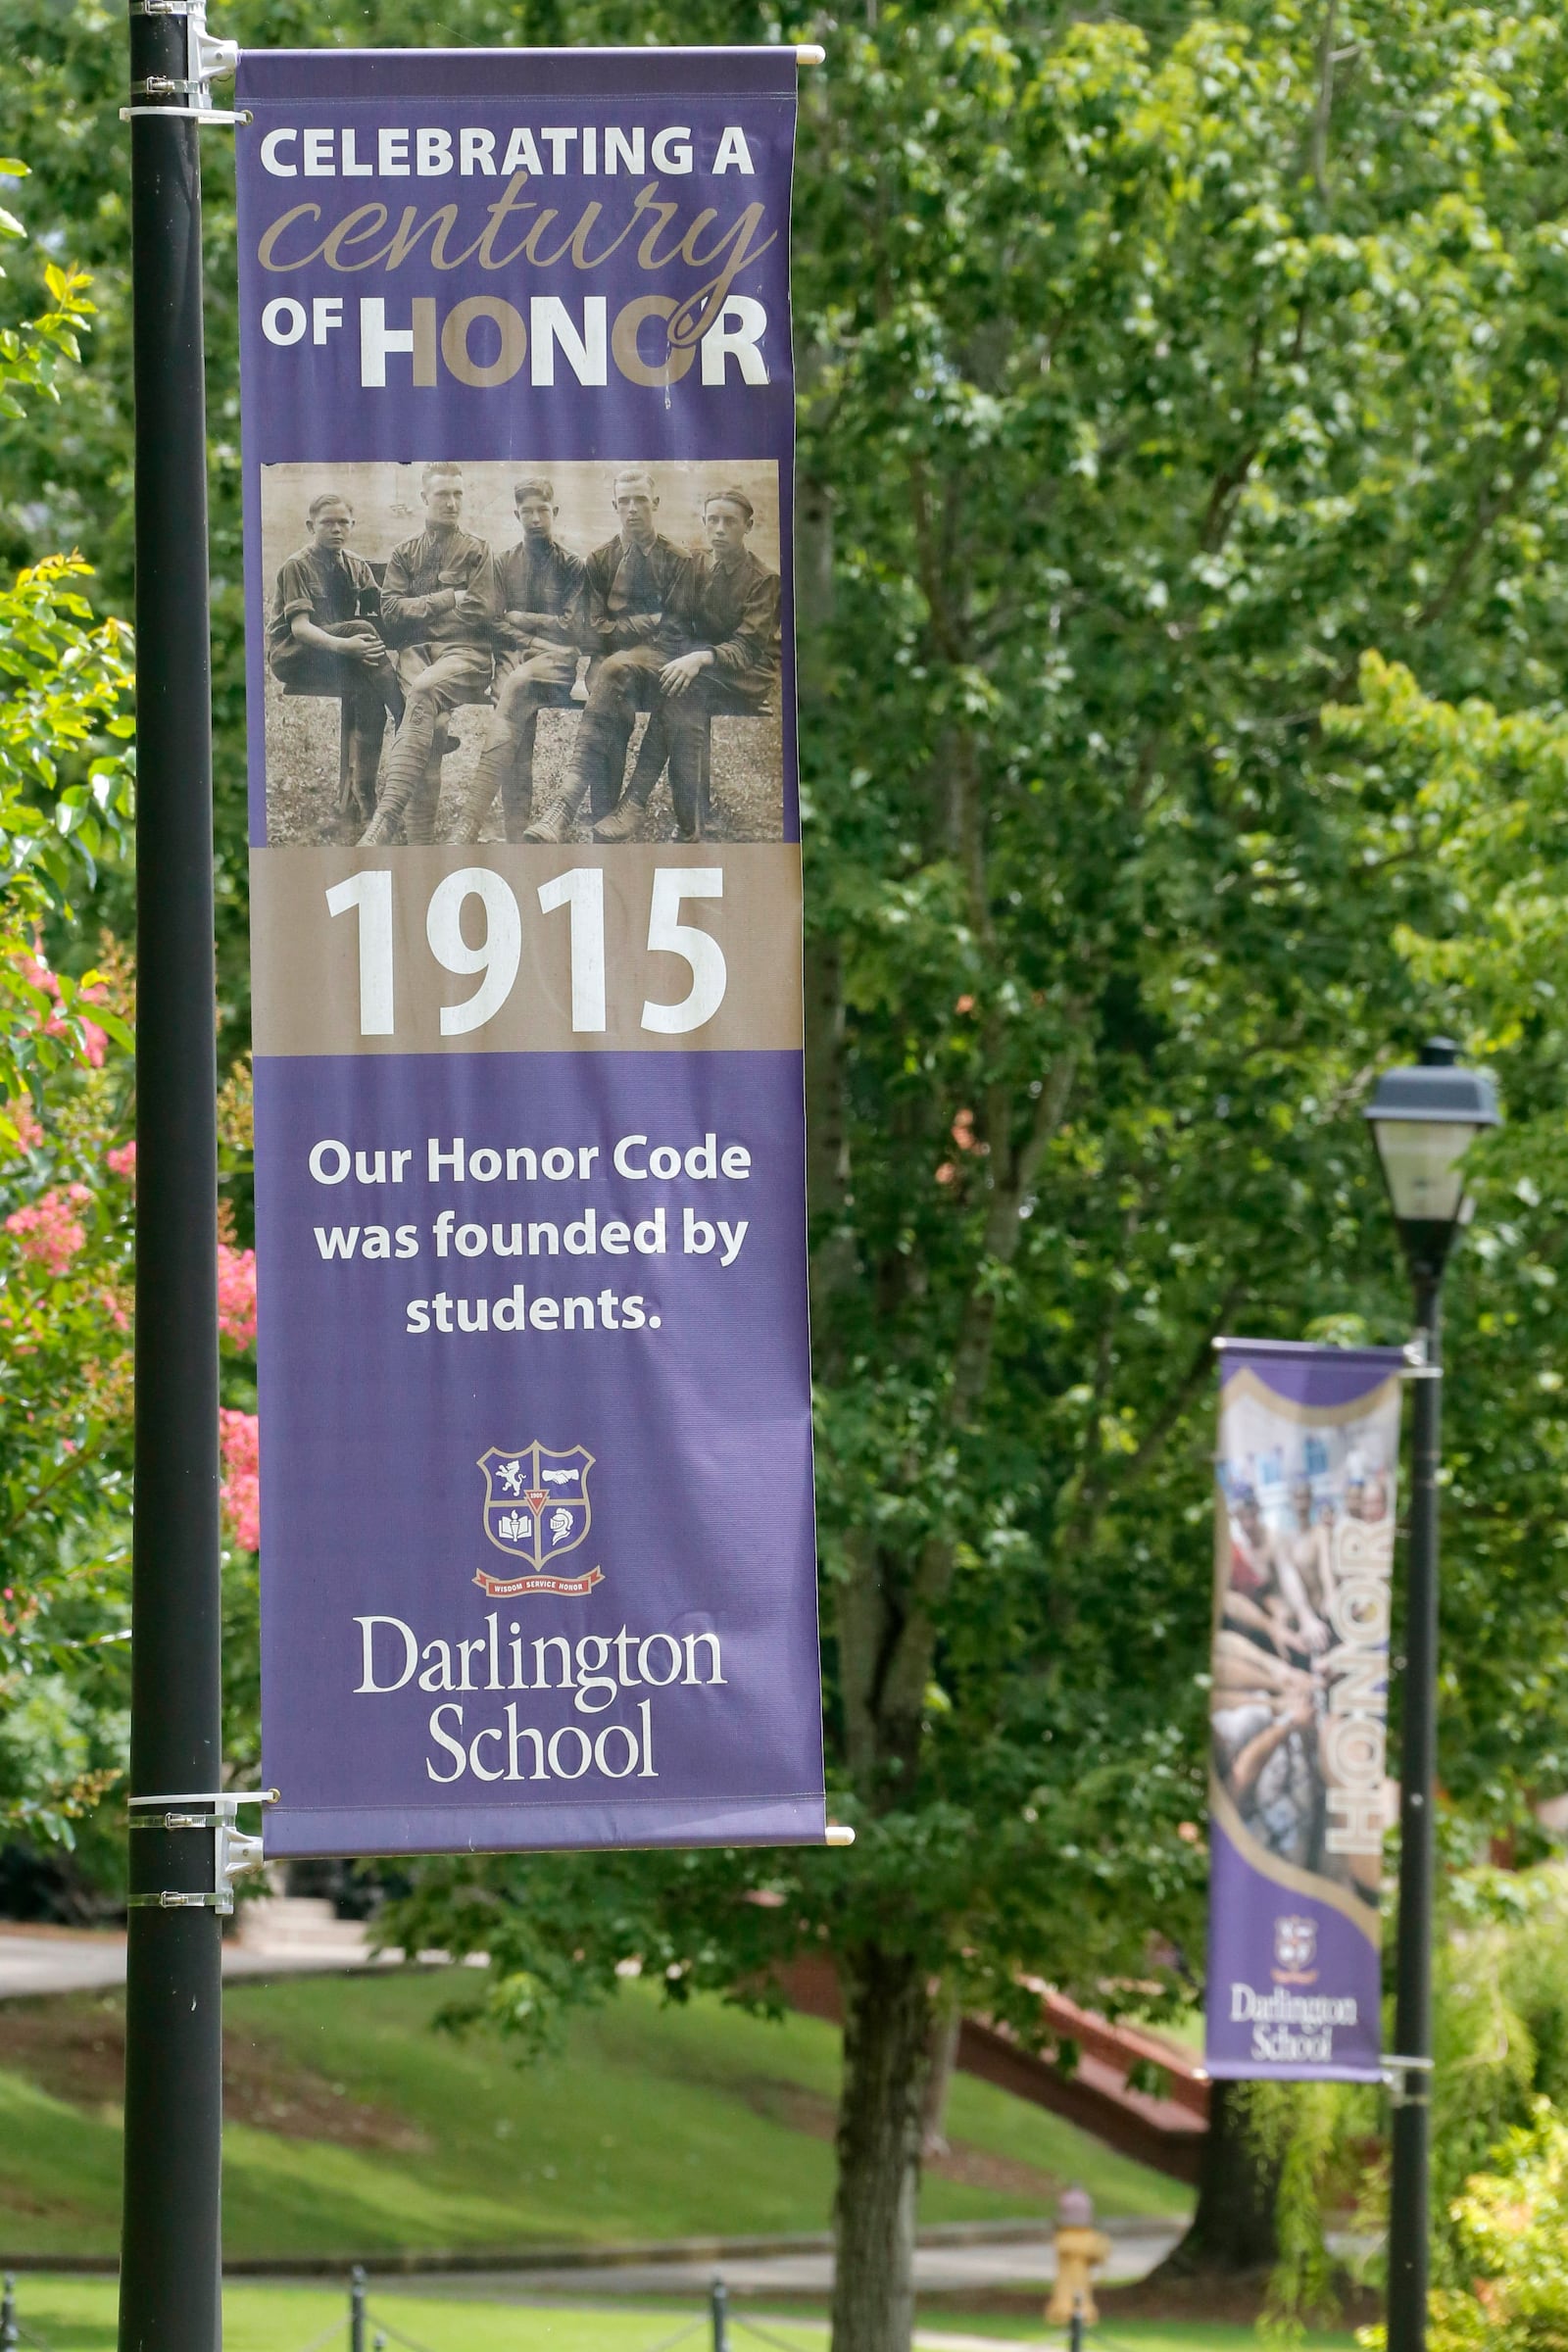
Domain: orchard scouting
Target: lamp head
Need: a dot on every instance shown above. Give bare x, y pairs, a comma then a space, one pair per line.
1423, 1121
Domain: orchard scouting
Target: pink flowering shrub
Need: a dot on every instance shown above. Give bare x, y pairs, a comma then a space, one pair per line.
241, 1450
236, 1296
36, 974
122, 1161
24, 1125
51, 1234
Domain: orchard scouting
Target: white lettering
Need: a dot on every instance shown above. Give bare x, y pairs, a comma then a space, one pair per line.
587, 355
283, 320
454, 1748
733, 150
671, 150
739, 341
411, 1655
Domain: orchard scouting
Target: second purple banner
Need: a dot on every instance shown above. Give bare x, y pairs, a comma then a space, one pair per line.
1309, 1453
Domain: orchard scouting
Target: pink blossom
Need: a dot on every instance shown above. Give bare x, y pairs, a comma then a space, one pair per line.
94, 1041
239, 1437
122, 1160
49, 1232
37, 975
236, 1295
29, 1133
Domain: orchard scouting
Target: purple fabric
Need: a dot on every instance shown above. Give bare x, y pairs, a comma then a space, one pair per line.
1302, 1374
455, 1658
302, 76
374, 1502
1298, 1765
1268, 2020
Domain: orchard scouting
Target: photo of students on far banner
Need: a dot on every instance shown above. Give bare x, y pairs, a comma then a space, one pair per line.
1304, 1474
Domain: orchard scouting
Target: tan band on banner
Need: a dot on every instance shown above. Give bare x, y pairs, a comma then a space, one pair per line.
645, 948
1337, 1898
1374, 1399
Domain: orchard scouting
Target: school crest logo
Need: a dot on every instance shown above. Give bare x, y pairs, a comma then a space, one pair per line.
1295, 1950
536, 1507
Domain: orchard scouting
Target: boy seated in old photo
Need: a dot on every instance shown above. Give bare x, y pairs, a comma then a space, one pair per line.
541, 587
322, 638
717, 650
441, 607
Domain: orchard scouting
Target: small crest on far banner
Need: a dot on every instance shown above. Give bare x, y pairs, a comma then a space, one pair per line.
536, 1507
1295, 1950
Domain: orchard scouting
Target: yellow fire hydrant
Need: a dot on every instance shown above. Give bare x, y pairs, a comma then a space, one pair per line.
1081, 2249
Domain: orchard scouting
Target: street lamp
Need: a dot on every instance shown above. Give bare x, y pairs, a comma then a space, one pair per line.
1423, 1121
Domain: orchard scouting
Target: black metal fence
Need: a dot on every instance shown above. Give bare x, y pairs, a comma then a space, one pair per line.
373, 2331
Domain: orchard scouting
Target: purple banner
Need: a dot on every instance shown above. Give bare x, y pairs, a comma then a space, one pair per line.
538, 1550
1308, 1451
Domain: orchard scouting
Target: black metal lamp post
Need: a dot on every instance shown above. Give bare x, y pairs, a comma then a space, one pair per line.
169, 2282
1423, 1121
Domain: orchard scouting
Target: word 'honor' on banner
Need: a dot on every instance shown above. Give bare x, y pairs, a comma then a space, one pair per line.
1308, 1448
538, 1541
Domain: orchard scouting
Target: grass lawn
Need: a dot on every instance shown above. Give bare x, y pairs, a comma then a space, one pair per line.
77, 2315
354, 2129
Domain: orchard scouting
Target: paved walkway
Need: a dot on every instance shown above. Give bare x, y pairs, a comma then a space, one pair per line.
63, 1960
276, 1940
972, 2266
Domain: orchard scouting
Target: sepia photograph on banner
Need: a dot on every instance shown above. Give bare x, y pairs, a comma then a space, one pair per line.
502, 651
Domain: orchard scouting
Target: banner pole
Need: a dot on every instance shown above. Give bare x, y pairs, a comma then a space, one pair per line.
1411, 2124
170, 2251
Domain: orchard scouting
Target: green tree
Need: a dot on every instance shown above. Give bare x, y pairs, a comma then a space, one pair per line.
65, 1229
67, 1180
1149, 383
1156, 370
65, 770
1513, 2223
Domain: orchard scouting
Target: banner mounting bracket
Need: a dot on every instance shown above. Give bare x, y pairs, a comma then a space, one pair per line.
234, 1850
1396, 2073
207, 60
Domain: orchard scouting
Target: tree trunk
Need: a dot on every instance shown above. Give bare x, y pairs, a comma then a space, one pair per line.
887, 2055
946, 2027
1232, 2228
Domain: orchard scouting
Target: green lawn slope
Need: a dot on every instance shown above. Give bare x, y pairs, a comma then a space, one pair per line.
354, 2129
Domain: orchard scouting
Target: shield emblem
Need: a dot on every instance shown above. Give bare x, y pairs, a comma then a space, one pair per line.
536, 1500
1295, 1943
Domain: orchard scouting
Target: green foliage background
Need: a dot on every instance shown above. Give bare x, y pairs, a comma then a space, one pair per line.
1184, 609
